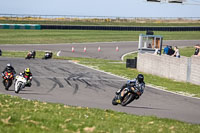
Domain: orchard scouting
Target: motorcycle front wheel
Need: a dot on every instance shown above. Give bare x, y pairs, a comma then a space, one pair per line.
114, 101
18, 88
128, 98
7, 84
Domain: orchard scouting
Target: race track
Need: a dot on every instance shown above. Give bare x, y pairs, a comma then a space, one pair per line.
61, 81
108, 49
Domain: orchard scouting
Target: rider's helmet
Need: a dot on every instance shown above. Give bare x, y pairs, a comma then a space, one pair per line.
27, 71
140, 78
8, 67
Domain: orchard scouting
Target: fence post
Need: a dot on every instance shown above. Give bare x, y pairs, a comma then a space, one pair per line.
188, 69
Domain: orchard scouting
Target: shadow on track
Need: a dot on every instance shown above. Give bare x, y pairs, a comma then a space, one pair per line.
138, 107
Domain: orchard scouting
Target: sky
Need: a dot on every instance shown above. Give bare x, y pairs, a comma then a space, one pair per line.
121, 8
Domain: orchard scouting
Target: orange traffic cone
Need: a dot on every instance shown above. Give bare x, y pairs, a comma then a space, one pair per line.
84, 49
73, 49
117, 48
99, 48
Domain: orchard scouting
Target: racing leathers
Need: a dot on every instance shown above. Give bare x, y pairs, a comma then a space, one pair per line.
138, 89
28, 77
8, 69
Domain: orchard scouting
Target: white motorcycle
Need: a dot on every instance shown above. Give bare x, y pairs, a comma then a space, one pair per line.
20, 83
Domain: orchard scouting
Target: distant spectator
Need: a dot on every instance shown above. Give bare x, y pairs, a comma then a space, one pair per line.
156, 51
166, 49
176, 53
170, 51
149, 46
197, 49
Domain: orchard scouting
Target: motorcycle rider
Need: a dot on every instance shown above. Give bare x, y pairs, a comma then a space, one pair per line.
139, 85
28, 76
8, 69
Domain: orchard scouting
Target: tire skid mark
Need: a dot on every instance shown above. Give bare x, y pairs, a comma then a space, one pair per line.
53, 87
76, 87
57, 82
76, 80
36, 81
89, 86
48, 69
68, 82
64, 70
105, 82
113, 85
77, 77
87, 83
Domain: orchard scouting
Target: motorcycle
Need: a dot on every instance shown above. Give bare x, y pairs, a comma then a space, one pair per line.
48, 55
128, 97
8, 79
20, 83
31, 54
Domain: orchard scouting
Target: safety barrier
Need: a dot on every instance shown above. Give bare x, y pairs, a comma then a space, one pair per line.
71, 27
181, 69
20, 26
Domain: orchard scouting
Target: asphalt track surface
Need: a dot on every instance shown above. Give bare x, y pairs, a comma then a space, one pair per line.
61, 81
108, 49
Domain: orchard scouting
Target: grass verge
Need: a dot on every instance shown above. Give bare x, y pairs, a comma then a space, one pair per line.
121, 70
102, 22
20, 115
9, 36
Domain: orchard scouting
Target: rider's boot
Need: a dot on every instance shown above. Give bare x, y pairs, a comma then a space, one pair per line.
28, 84
137, 97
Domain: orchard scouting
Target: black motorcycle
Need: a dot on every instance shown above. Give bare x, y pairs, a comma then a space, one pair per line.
48, 55
8, 79
128, 97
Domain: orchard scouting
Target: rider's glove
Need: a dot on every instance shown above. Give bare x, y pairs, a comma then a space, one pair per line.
2, 74
117, 93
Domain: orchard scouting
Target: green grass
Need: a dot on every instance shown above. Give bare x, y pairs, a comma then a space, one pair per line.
27, 116
121, 23
130, 56
18, 115
39, 54
121, 70
187, 51
9, 36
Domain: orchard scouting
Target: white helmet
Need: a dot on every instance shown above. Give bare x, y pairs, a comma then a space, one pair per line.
8, 65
